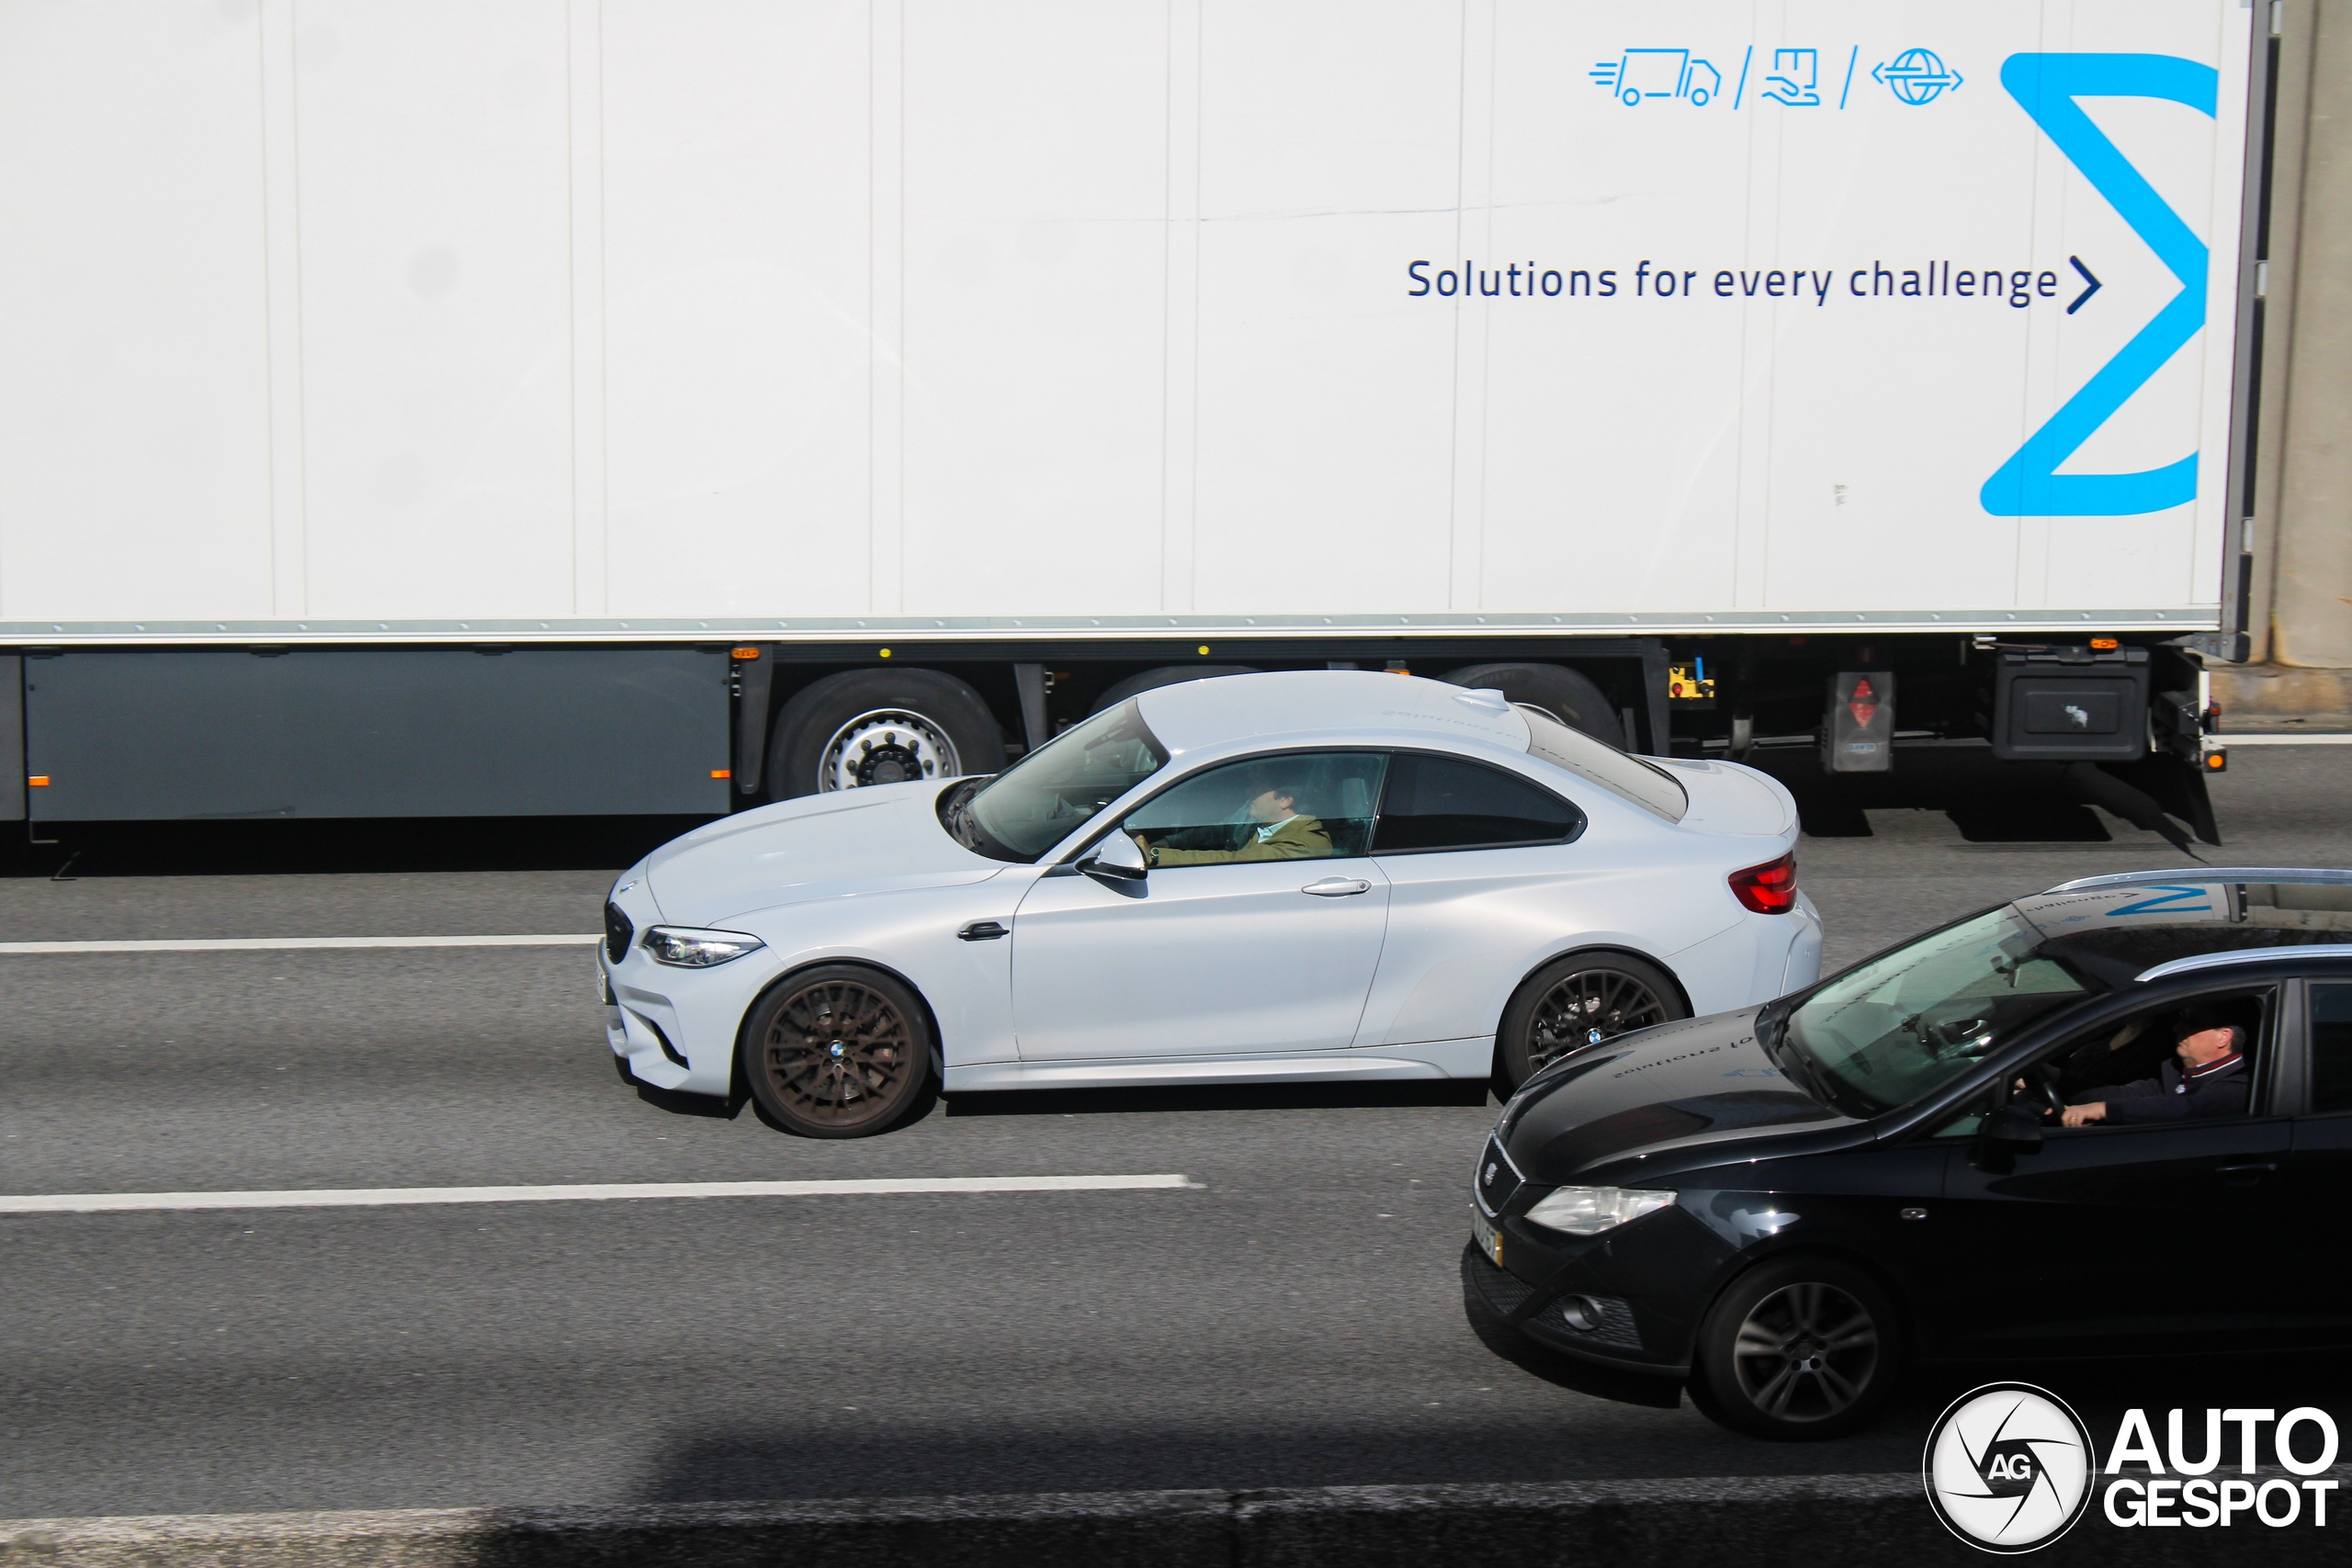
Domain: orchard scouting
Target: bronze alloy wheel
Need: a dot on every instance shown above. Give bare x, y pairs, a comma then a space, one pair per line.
838, 1053
1581, 1000
1806, 1353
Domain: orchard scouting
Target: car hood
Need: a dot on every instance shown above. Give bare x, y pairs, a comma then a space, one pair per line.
1706, 1080
1729, 799
882, 839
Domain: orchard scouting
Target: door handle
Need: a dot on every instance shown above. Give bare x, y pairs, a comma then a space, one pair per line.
2246, 1173
1337, 887
984, 931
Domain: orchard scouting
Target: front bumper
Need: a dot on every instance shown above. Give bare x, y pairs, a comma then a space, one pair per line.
674, 1027
1631, 1297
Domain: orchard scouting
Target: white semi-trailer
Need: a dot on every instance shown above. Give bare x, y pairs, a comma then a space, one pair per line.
625, 406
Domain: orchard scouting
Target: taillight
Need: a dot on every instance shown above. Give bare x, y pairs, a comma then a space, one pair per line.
1770, 888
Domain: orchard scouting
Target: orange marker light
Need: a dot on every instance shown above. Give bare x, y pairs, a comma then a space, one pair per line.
2216, 761
745, 653
722, 772
39, 781
2104, 644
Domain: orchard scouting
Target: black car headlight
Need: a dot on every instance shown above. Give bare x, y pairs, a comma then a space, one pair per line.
683, 947
1589, 1210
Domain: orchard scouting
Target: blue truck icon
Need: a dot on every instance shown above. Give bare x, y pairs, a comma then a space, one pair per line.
1659, 73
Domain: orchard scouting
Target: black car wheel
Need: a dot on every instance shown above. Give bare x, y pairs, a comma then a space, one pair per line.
839, 1051
1800, 1348
1579, 1000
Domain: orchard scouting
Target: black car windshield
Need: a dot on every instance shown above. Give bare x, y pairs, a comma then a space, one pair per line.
1910, 1020
1036, 803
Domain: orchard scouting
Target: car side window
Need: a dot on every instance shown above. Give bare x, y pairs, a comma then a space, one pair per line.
2186, 1061
2331, 1048
1285, 805
1446, 803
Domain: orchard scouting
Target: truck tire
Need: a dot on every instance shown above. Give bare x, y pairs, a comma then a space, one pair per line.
871, 727
1165, 675
1568, 695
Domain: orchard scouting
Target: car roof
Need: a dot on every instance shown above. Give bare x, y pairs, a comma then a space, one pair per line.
2150, 925
1306, 705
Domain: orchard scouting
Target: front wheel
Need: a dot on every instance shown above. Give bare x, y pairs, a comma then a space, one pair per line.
838, 1052
1799, 1348
1580, 1001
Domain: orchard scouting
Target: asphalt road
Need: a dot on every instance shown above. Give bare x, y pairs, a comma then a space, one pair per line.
1295, 1319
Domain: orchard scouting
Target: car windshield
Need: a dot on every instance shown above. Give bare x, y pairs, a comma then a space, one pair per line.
1649, 787
1036, 803
1908, 1022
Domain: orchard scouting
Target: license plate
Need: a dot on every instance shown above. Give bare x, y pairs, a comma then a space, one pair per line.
1490, 1240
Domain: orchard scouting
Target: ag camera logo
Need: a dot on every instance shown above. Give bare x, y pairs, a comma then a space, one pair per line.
2009, 1467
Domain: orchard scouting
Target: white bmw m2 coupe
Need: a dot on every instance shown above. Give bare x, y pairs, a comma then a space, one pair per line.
1319, 875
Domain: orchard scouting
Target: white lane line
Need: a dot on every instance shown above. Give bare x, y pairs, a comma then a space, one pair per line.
388, 1197
281, 943
2276, 739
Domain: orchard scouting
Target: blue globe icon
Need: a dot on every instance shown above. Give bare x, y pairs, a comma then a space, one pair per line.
1917, 76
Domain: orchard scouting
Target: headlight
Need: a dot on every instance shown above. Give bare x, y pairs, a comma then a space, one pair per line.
1589, 1210
689, 949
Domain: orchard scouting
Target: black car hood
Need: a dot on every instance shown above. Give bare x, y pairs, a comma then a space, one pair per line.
1677, 1086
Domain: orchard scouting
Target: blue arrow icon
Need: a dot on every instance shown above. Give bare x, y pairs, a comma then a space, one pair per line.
2088, 277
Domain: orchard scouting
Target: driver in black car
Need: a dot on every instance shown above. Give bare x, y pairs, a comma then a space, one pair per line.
2207, 1076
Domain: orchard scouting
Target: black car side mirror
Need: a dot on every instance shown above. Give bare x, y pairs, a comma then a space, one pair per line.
2011, 1130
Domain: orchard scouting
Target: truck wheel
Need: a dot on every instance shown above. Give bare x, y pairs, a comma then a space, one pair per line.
1576, 1001
1800, 1347
1166, 675
838, 1052
876, 727
1568, 695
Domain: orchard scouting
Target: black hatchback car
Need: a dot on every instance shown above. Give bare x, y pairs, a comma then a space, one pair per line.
1786, 1204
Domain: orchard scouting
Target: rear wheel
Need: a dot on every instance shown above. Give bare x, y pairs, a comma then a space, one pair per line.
838, 1052
1579, 1000
876, 727
1568, 695
1800, 1347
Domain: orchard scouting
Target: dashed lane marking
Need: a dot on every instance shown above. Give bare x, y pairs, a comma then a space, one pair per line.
287, 944
394, 1197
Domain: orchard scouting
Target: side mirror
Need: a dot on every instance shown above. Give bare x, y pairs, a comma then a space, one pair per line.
2011, 1130
2014, 1127
1114, 861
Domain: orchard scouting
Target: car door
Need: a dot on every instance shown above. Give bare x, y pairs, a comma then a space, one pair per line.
1251, 937
1472, 852
2314, 1307
2126, 1239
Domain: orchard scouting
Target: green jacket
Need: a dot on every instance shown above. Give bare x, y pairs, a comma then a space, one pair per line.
1301, 837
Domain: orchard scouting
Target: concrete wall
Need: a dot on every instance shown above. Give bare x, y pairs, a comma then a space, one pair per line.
2302, 587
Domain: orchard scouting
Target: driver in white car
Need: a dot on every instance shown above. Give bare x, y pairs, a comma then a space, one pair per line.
2207, 1078
1278, 833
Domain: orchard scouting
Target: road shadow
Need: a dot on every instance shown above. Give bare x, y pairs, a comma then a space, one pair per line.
1235, 1096
77, 850
1989, 801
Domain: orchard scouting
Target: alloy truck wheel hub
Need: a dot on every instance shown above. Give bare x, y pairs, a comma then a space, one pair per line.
886, 746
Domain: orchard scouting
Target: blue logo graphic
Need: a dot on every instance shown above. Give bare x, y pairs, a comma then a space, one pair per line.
2174, 902
2046, 86
1659, 73
1917, 76
1795, 78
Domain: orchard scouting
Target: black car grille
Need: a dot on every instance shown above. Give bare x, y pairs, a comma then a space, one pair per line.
618, 932
1494, 1181
1503, 1291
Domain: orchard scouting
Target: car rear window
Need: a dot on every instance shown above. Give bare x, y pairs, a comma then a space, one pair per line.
1627, 776
1443, 803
